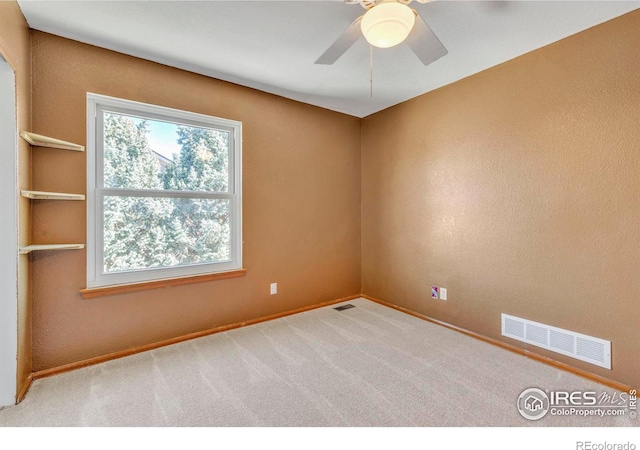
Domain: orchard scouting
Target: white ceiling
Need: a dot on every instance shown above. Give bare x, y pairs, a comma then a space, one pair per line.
271, 45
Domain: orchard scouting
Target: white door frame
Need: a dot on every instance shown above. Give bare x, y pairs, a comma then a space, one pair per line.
8, 236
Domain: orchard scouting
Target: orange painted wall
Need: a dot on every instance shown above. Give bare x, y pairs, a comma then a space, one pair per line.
518, 190
301, 205
15, 49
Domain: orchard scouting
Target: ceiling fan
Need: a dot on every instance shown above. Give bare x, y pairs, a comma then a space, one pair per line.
385, 24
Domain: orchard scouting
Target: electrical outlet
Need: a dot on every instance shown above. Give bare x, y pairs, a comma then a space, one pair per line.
434, 292
274, 288
443, 293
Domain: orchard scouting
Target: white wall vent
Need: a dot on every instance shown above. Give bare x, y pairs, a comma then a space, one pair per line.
580, 346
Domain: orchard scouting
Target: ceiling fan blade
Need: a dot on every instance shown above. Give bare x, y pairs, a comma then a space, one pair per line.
424, 43
344, 43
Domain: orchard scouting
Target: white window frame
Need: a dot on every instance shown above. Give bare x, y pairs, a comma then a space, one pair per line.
96, 104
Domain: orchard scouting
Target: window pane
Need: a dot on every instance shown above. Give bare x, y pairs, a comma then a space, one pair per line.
150, 154
146, 232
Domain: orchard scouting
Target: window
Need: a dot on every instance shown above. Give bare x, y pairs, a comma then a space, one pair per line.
163, 193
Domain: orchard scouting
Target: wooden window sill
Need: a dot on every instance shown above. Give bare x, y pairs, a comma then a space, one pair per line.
104, 291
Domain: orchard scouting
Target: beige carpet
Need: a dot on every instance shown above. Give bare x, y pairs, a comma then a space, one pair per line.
365, 366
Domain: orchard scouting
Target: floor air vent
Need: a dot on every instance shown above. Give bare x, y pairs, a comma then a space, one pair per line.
343, 307
580, 346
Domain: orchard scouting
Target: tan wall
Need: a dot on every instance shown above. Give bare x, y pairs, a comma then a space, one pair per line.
301, 205
518, 189
15, 48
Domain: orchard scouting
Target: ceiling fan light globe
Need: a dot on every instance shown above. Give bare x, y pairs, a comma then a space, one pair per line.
387, 24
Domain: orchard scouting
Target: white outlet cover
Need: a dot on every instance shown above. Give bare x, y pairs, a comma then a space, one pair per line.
443, 293
274, 288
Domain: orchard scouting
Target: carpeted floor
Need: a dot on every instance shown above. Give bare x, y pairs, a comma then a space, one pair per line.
365, 366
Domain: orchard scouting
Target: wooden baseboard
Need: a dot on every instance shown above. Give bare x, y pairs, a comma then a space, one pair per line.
143, 348
512, 348
25, 389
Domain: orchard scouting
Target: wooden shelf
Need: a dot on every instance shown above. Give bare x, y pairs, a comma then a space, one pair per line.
38, 140
39, 247
40, 195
